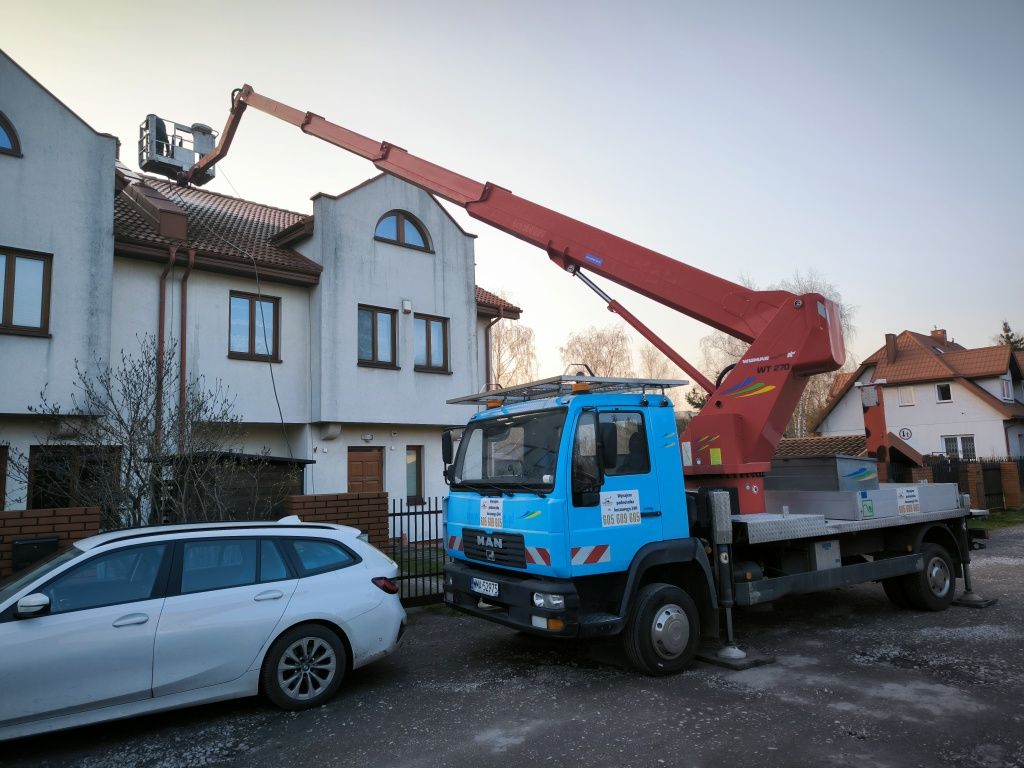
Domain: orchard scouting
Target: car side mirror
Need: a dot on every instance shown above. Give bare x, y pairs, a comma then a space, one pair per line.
36, 604
446, 447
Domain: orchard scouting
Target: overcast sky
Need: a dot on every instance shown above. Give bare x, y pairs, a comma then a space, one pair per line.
879, 143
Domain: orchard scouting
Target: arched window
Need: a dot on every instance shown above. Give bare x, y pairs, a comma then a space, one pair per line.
402, 228
8, 138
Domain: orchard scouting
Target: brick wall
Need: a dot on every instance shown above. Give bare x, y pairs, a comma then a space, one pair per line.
69, 525
972, 482
1011, 484
922, 475
366, 511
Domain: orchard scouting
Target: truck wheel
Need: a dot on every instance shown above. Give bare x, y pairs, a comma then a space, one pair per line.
663, 631
895, 590
934, 588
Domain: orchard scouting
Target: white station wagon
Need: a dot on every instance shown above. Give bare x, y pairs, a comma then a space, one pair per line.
149, 619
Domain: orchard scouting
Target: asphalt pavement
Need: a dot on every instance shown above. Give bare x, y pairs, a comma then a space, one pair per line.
856, 682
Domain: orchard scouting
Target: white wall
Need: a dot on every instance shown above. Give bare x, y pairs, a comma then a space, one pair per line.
56, 199
136, 302
360, 270
928, 419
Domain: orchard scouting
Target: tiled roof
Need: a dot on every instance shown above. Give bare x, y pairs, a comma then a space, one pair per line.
492, 301
924, 358
834, 445
219, 227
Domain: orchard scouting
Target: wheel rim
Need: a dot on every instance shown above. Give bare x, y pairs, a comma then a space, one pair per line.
306, 668
670, 631
938, 576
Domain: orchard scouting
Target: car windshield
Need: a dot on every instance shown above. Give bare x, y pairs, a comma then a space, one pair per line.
10, 586
510, 451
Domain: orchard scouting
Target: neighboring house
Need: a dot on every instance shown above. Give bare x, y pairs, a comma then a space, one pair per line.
938, 397
340, 335
56, 240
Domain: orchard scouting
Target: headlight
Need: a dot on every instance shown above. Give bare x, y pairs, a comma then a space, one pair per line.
547, 600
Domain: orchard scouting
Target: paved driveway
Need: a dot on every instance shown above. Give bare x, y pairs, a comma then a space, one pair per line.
856, 683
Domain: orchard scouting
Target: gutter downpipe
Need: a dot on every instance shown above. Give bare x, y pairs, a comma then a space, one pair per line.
158, 426
183, 366
487, 349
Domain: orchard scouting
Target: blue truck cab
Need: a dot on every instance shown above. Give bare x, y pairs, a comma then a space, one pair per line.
568, 517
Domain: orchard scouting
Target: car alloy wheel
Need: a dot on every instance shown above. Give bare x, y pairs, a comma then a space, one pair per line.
307, 668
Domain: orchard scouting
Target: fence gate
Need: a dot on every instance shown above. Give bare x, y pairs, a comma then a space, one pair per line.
947, 471
992, 475
417, 545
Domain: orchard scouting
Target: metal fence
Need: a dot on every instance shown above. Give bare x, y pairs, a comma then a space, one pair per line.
417, 545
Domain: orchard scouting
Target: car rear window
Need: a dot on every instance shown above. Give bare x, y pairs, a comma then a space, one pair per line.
320, 555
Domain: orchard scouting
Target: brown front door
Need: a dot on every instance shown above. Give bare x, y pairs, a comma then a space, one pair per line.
365, 470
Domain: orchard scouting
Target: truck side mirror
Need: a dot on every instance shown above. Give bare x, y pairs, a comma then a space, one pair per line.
446, 447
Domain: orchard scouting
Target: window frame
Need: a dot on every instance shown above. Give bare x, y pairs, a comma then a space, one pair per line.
374, 362
414, 500
446, 367
960, 447
4, 457
938, 397
615, 471
254, 299
401, 216
906, 396
160, 583
1007, 387
12, 134
10, 256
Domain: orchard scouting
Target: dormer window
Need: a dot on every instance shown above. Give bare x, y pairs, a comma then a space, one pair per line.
9, 144
402, 228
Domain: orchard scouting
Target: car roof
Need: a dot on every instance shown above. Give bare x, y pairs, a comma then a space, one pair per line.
289, 525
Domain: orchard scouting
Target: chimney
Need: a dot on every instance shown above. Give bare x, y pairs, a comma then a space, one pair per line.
890, 347
939, 334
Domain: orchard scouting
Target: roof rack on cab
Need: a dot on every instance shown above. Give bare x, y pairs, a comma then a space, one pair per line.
567, 385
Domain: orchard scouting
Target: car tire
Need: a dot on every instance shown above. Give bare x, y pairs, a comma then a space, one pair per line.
934, 588
304, 667
662, 635
895, 590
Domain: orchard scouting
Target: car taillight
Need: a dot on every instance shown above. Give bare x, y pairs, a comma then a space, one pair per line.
386, 584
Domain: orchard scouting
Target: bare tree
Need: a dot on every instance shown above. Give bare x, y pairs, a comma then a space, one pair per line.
513, 353
654, 364
605, 350
129, 446
720, 350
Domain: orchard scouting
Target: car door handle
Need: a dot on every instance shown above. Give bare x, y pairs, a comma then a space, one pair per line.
270, 594
651, 513
131, 619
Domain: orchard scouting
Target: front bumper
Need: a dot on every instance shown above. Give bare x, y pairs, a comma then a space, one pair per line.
513, 606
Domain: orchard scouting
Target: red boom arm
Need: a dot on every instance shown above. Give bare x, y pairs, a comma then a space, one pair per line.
731, 441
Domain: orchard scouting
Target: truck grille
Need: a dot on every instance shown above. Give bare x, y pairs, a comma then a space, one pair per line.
497, 548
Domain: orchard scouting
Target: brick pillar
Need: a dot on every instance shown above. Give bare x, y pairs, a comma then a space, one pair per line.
68, 525
1011, 484
972, 482
883, 472
922, 475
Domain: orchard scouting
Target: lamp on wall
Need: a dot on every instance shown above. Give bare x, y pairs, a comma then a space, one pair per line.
366, 438
406, 306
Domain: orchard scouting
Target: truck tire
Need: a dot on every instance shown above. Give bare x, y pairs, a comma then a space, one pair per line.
895, 590
934, 588
663, 632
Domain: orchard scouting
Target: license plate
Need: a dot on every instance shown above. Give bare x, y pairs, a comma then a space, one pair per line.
484, 587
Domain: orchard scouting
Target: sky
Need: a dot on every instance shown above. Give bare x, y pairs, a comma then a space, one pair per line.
878, 143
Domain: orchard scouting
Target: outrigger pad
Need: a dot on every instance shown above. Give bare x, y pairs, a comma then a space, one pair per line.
973, 600
710, 654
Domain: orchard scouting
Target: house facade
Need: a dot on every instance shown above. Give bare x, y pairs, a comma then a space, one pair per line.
338, 335
939, 397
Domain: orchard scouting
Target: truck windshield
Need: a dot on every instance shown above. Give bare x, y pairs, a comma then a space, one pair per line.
509, 452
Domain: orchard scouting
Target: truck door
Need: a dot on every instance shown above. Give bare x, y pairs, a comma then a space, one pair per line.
615, 512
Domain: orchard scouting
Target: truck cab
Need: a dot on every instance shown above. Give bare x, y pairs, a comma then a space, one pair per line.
565, 494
